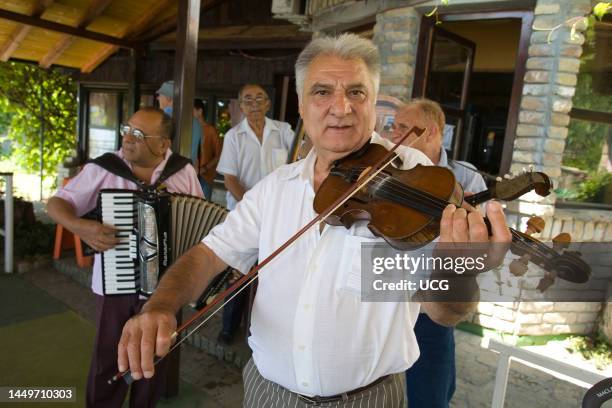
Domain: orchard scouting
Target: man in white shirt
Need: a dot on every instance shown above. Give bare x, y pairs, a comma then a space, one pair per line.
251, 150
314, 341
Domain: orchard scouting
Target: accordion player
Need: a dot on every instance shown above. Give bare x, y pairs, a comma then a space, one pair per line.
154, 229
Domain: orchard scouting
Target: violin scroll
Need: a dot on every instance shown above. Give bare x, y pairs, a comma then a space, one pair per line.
558, 261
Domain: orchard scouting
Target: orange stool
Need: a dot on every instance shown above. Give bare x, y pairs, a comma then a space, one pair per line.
65, 239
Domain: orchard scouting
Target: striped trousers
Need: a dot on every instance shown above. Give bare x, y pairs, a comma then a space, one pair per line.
261, 393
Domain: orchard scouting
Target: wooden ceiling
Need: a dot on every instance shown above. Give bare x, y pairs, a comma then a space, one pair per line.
84, 33
76, 33
277, 36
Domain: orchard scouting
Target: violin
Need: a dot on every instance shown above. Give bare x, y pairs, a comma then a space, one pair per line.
404, 207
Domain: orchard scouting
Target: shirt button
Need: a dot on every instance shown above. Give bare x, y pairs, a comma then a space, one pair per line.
301, 347
305, 384
306, 306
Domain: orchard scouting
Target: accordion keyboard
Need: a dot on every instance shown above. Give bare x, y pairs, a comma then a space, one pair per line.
119, 263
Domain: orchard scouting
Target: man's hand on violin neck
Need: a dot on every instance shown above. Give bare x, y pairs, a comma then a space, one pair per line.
462, 226
467, 231
144, 336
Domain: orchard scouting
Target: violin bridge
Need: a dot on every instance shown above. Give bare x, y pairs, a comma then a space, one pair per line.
364, 189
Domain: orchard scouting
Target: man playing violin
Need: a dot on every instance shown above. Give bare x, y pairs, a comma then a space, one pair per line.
430, 382
314, 342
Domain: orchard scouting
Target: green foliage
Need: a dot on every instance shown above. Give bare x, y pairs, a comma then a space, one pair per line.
585, 140
31, 97
32, 239
593, 189
601, 8
223, 125
596, 349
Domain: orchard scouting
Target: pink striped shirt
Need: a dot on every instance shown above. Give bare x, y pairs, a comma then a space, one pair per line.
82, 193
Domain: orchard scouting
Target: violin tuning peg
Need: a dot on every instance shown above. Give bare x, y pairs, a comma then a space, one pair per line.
524, 170
518, 267
545, 282
498, 178
508, 176
530, 168
535, 225
561, 241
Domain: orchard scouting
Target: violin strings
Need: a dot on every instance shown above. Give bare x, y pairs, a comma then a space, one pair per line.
538, 249
407, 192
392, 188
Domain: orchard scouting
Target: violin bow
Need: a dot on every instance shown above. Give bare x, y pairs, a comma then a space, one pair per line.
250, 277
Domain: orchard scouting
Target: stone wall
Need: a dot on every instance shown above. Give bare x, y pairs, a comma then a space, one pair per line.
396, 35
549, 85
523, 317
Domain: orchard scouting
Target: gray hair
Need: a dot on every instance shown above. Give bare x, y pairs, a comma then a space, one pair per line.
431, 111
345, 46
247, 85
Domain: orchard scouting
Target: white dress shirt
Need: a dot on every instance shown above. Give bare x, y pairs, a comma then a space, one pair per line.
244, 157
310, 332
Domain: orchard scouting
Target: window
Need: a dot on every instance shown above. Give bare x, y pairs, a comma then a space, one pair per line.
586, 171
103, 114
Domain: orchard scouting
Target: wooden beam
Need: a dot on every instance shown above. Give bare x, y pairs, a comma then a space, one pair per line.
96, 8
591, 115
21, 32
168, 25
134, 27
185, 60
240, 44
66, 29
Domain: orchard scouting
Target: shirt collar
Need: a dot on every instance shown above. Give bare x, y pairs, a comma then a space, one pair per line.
304, 169
268, 126
443, 162
158, 169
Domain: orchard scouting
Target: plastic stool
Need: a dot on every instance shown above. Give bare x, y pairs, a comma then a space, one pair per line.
65, 239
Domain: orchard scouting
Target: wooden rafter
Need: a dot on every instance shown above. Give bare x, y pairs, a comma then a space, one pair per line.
95, 9
134, 27
21, 32
168, 24
66, 29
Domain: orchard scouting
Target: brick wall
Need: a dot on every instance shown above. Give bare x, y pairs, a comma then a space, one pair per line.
549, 85
523, 317
396, 35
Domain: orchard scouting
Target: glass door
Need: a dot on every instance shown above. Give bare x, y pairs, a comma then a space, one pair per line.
105, 111
444, 76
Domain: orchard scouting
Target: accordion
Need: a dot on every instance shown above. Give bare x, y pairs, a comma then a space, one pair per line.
154, 229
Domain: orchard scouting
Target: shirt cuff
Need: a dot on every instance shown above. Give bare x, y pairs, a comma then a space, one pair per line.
224, 171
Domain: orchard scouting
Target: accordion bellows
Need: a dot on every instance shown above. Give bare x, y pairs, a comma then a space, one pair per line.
154, 230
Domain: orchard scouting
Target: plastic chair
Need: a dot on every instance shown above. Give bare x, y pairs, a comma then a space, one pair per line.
65, 239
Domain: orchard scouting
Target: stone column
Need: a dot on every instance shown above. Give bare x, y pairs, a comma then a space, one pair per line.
396, 34
550, 81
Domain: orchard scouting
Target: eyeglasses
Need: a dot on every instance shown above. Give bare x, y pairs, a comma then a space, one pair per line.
251, 101
126, 129
399, 127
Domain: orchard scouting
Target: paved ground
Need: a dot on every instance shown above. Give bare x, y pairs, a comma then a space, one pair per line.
45, 297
